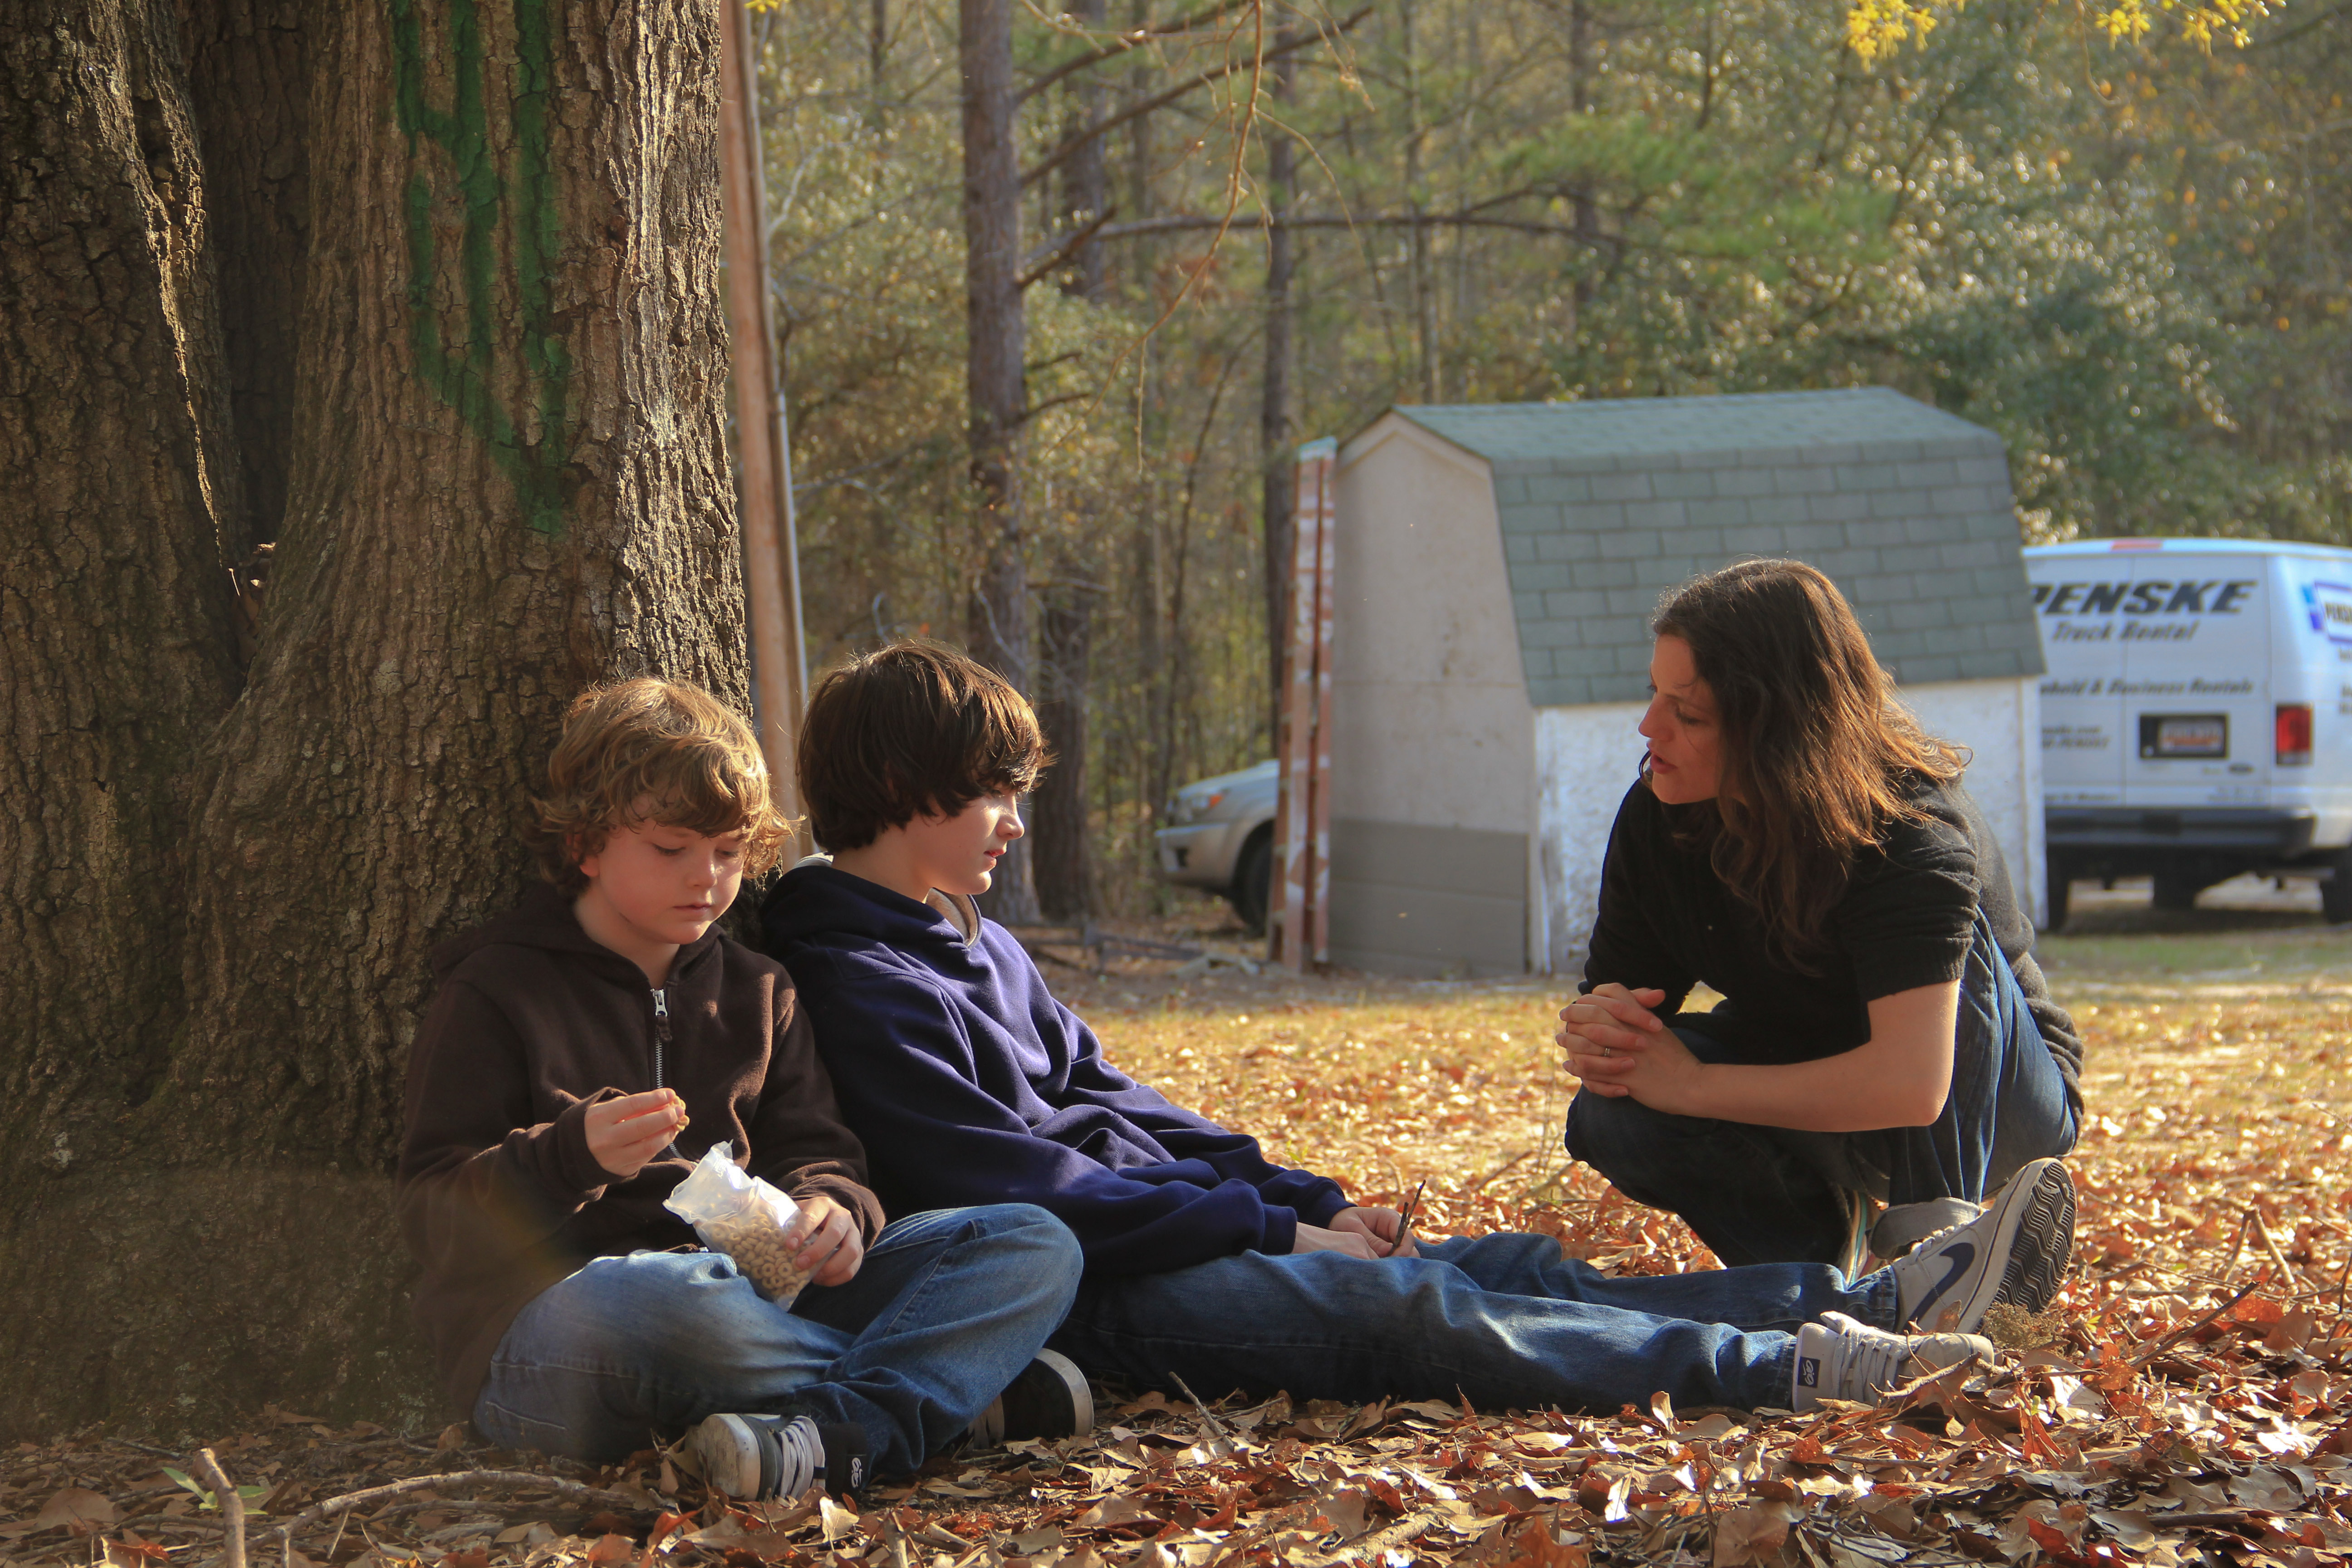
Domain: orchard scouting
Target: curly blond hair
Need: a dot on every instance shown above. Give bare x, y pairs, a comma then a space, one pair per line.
652, 751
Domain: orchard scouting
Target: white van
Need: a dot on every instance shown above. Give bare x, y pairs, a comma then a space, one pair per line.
2197, 715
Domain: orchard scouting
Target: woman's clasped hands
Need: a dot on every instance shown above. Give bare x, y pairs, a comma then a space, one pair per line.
1617, 1046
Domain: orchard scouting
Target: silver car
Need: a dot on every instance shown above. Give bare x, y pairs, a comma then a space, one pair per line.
1220, 835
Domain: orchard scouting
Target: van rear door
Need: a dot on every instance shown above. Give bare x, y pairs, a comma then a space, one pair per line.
2196, 637
2082, 698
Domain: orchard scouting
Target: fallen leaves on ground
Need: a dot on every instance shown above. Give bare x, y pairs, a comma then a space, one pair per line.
2190, 1400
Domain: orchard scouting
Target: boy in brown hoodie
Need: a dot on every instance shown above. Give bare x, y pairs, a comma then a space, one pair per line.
581, 1054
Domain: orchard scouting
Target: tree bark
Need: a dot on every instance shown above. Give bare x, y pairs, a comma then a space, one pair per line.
1586, 217
1061, 859
999, 607
117, 631
1279, 478
504, 479
1086, 178
249, 81
1065, 866
1423, 266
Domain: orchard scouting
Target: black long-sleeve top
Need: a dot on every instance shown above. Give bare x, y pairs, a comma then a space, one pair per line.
1906, 919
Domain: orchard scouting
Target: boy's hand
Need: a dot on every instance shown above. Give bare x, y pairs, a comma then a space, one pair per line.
1351, 1241
623, 1133
1379, 1225
833, 1246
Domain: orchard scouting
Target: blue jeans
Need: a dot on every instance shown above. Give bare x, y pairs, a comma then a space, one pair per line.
1504, 1321
1770, 1195
947, 1307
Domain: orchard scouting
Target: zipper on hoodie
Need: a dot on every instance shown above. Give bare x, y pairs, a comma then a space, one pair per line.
661, 1031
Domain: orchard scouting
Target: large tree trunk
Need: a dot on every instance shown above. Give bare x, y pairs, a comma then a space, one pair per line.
999, 610
118, 637
503, 479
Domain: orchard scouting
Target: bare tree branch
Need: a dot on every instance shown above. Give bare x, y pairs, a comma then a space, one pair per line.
1061, 253
1061, 153
1133, 39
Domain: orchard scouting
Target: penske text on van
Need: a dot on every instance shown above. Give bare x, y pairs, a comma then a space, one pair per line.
2197, 715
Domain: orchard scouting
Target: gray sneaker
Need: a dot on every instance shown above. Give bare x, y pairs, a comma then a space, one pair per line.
780, 1459
2015, 1251
1838, 1358
1050, 1399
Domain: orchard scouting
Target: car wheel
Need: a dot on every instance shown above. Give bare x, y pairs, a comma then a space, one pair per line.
2059, 890
2336, 892
1252, 889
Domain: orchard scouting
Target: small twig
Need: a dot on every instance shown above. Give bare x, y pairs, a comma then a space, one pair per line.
336, 1507
146, 1448
2237, 1245
2343, 1280
2286, 1269
1404, 1220
232, 1505
1207, 1414
2177, 1335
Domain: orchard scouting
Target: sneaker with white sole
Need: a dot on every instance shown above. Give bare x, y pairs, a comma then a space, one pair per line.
2015, 1252
1049, 1400
1838, 1358
1905, 1226
780, 1458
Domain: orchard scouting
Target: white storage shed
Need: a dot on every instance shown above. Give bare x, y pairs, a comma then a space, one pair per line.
1496, 570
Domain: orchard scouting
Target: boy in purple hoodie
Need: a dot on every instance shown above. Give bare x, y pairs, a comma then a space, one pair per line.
582, 1053
970, 1083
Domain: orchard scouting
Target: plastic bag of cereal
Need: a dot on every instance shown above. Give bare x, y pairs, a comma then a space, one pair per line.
746, 1218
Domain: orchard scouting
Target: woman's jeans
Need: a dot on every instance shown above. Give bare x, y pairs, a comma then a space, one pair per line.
1759, 1194
1504, 1321
947, 1307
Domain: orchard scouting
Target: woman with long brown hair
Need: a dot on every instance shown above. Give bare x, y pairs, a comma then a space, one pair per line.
1797, 843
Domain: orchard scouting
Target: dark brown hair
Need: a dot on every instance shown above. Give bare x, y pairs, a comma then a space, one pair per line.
911, 730
1816, 758
652, 751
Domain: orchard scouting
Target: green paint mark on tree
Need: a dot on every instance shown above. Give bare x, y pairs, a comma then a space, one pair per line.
530, 451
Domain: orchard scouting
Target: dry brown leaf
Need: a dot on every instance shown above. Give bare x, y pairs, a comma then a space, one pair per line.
1751, 1534
611, 1548
78, 1510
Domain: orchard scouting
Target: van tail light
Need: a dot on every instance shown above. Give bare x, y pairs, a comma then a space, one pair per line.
2293, 735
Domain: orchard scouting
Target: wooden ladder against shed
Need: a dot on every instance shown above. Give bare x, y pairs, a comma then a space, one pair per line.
1299, 925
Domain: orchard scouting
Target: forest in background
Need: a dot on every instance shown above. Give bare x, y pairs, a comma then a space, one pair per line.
2128, 260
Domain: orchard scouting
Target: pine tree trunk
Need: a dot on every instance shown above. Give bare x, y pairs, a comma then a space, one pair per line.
996, 332
1278, 481
1065, 866
503, 478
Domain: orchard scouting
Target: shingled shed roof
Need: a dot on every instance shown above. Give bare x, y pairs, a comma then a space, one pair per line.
1604, 505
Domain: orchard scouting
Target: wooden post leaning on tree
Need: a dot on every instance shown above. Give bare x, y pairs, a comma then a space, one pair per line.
1298, 926
771, 573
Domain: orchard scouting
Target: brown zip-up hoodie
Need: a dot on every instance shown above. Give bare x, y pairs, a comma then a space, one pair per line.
534, 1022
